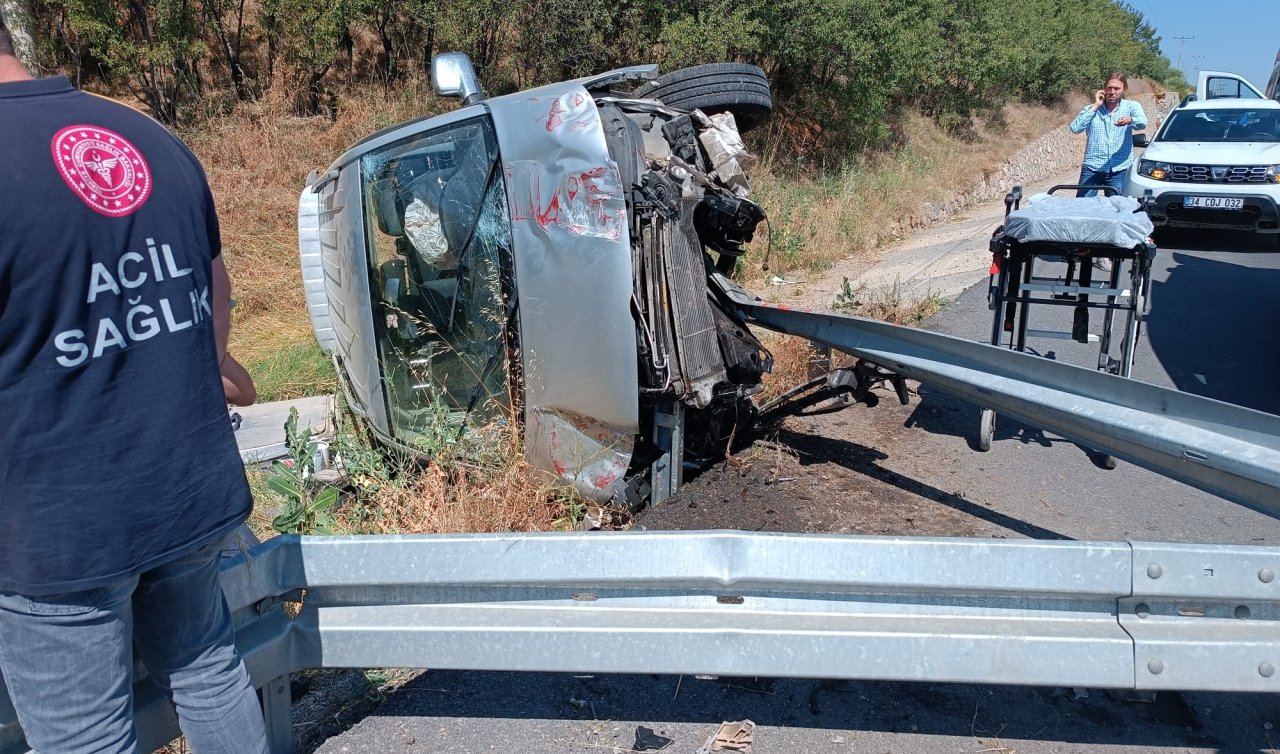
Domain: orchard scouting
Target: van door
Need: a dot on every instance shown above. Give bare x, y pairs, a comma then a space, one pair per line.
1219, 85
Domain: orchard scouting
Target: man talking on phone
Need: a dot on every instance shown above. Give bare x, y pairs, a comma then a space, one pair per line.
1108, 124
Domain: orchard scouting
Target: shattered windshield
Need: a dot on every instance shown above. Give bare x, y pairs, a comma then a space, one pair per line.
439, 236
1242, 124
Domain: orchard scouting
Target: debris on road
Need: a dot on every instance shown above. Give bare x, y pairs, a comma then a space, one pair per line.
734, 736
647, 740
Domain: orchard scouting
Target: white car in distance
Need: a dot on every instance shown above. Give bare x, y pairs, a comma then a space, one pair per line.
1214, 164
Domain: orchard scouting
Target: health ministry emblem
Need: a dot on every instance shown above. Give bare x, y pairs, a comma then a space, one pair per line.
103, 168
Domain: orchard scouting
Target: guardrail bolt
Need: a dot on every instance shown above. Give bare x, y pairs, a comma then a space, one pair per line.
1154, 571
1155, 666
1243, 612
1143, 610
1266, 670
1266, 575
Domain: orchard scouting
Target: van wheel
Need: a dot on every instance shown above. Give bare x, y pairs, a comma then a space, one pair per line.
737, 88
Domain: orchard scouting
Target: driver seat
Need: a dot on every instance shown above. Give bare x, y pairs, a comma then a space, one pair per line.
462, 196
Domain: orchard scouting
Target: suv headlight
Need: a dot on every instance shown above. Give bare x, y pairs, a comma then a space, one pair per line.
1153, 169
1273, 173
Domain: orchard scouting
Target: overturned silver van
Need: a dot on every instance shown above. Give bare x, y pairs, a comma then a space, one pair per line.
548, 257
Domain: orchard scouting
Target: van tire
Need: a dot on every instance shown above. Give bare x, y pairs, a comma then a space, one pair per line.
737, 88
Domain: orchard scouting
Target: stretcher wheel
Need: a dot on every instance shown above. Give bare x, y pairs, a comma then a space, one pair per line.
1108, 462
986, 428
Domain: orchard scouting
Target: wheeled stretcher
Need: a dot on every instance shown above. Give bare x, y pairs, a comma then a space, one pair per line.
1104, 243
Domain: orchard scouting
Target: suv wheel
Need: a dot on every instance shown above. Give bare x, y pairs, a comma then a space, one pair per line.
737, 88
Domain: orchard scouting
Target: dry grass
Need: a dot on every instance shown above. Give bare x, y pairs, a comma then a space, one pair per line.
792, 357
385, 493
815, 221
484, 485
888, 305
511, 497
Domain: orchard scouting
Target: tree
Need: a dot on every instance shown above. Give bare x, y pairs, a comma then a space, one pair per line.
150, 47
228, 40
20, 18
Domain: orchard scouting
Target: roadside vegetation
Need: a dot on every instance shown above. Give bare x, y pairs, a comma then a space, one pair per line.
880, 107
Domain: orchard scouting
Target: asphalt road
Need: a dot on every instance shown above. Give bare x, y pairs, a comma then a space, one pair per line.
1214, 330
1214, 322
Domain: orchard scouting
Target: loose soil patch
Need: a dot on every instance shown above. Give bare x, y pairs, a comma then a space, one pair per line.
828, 474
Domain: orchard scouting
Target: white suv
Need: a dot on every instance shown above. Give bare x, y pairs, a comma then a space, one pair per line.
1214, 164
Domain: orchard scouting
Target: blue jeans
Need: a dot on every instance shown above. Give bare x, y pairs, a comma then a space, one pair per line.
67, 660
1090, 177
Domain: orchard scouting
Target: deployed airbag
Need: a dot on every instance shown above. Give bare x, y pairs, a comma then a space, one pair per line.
422, 226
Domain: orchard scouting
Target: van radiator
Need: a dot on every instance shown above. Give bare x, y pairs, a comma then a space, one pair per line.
697, 346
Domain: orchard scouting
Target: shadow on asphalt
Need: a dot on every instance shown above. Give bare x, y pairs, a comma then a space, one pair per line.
854, 708
1214, 324
961, 417
865, 461
1215, 240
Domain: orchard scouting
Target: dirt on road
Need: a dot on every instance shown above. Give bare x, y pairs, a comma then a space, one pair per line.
862, 470
854, 472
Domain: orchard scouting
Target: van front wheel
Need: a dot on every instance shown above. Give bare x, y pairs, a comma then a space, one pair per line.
737, 88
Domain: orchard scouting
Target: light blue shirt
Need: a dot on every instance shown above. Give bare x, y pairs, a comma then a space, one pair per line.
1109, 147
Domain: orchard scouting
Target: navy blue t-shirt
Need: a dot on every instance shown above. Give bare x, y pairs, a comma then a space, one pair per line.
116, 453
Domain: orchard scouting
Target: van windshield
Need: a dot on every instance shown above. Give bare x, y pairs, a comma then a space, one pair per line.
440, 241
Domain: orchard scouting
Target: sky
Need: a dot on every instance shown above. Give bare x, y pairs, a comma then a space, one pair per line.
1239, 36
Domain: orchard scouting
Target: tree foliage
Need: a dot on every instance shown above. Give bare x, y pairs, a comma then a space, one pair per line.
840, 69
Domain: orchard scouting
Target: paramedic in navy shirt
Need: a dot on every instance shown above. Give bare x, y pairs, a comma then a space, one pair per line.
119, 474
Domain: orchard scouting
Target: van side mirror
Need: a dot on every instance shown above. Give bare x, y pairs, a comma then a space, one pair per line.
1140, 140
452, 75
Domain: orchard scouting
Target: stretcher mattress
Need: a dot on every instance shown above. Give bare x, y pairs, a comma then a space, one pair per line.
1094, 220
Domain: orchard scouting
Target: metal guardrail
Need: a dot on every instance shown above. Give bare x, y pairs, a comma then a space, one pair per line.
1104, 615
1087, 614
1227, 450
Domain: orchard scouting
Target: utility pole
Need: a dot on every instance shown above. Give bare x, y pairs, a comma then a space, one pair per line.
1182, 42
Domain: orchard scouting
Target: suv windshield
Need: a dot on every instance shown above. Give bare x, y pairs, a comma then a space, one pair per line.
1236, 124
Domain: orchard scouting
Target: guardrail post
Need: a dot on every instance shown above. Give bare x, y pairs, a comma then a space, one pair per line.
277, 710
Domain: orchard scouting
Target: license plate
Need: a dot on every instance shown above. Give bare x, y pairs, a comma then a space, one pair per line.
1212, 202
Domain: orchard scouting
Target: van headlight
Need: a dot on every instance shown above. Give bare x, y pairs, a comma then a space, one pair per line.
1153, 169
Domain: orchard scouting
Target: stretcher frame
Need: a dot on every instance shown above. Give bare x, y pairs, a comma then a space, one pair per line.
1014, 288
